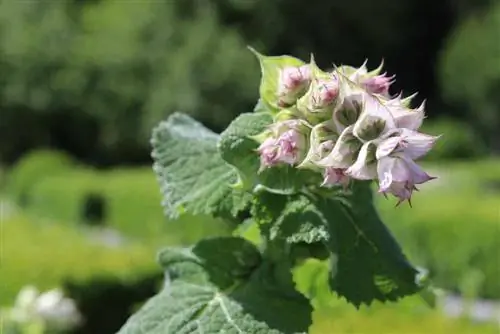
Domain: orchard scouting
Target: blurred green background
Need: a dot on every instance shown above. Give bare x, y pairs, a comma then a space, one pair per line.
82, 82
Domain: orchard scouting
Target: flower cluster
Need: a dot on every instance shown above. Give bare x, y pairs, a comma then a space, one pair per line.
55, 311
343, 123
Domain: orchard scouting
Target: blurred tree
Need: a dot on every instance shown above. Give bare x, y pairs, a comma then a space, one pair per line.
470, 75
93, 77
126, 65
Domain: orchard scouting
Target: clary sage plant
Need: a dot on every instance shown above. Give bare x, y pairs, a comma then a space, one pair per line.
343, 124
293, 179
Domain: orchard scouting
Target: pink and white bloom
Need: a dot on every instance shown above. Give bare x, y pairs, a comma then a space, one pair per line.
412, 144
398, 175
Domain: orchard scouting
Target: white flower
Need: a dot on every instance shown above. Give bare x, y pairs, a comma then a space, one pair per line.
56, 310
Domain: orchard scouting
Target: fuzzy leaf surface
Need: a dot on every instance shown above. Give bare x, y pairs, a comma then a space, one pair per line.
238, 294
367, 263
193, 177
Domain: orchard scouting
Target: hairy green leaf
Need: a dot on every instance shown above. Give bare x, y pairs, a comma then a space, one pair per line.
294, 218
254, 302
191, 173
239, 150
366, 263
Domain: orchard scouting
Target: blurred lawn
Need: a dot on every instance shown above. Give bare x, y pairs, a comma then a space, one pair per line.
453, 229
454, 226
409, 316
47, 253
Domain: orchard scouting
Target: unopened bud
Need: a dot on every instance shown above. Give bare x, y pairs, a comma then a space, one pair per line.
293, 81
325, 93
378, 84
287, 144
335, 176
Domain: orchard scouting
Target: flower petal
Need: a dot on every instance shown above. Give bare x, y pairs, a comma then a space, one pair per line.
375, 120
365, 167
387, 146
417, 144
417, 174
342, 155
407, 118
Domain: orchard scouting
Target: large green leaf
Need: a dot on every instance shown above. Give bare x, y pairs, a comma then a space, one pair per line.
192, 175
239, 150
294, 218
239, 295
367, 263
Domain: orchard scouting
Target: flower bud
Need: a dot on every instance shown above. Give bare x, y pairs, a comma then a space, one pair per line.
293, 81
287, 144
268, 151
323, 93
326, 92
335, 176
378, 84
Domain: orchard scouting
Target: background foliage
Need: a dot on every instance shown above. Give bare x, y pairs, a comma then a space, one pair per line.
93, 77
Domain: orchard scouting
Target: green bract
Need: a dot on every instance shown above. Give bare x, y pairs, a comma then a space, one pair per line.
229, 284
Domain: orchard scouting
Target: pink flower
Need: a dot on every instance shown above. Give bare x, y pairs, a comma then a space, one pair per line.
335, 176
379, 84
398, 175
412, 144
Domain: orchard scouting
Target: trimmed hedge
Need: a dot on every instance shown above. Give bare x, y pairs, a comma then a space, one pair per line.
128, 200
32, 168
62, 197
